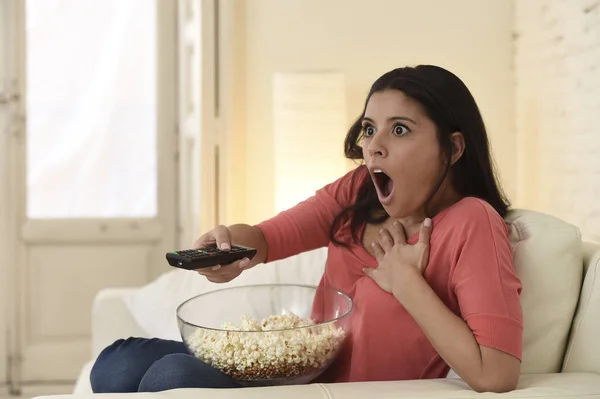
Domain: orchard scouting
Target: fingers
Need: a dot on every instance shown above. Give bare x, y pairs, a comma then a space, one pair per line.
425, 231
219, 236
377, 250
221, 275
224, 278
387, 242
203, 240
224, 273
238, 264
398, 233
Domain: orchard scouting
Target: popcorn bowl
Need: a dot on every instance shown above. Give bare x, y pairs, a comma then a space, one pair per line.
267, 334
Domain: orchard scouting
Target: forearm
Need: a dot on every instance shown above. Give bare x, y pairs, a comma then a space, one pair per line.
448, 333
484, 369
250, 236
297, 230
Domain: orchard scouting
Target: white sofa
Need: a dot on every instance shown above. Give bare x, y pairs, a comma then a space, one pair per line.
561, 302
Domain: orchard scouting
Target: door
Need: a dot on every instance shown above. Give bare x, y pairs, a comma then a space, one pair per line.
96, 201
9, 125
198, 118
195, 113
6, 104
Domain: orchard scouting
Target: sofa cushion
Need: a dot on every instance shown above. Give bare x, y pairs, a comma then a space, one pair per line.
555, 386
547, 256
568, 386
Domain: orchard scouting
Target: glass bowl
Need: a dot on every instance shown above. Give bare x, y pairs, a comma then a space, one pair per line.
271, 334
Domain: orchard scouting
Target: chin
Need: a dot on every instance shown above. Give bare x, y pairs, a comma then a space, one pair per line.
394, 211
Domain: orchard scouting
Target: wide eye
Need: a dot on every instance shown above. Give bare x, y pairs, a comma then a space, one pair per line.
400, 130
368, 131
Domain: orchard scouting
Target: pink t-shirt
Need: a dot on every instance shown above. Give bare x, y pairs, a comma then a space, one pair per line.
470, 269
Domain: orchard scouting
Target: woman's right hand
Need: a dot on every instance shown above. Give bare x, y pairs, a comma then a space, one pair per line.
223, 237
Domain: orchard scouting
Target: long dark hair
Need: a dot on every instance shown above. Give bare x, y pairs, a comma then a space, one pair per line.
449, 104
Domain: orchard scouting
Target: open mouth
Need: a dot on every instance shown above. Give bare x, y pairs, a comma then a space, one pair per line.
384, 184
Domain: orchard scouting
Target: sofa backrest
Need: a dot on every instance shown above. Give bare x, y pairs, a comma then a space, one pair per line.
548, 259
583, 351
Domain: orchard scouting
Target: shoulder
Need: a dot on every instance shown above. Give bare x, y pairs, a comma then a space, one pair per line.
472, 214
346, 188
476, 238
472, 211
356, 175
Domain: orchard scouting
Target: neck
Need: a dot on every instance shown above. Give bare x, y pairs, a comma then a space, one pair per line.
445, 197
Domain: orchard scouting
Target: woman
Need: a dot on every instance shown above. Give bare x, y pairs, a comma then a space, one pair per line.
415, 236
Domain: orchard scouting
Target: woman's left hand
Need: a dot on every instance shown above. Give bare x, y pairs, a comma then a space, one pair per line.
397, 260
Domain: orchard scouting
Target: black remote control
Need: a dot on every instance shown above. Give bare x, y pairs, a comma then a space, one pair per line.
208, 256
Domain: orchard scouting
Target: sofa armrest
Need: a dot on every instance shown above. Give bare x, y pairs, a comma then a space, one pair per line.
583, 350
111, 319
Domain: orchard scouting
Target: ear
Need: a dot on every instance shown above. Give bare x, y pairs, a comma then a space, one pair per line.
458, 146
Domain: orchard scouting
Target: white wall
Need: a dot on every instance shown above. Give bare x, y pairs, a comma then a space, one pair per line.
557, 102
364, 39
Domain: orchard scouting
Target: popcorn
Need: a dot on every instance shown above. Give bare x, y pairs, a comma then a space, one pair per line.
277, 347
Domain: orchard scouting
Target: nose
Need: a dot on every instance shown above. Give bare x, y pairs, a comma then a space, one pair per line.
377, 146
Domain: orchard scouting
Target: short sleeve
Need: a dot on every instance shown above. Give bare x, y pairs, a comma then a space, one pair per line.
485, 283
306, 226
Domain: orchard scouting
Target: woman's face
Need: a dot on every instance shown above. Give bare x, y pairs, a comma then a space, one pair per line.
402, 153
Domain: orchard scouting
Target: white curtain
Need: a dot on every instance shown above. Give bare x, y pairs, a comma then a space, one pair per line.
91, 108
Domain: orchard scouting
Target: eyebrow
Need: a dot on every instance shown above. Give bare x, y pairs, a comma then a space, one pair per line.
391, 119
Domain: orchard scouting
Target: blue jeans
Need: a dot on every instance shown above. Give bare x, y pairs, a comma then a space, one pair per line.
152, 365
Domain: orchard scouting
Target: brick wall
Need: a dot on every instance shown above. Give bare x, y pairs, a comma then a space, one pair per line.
557, 70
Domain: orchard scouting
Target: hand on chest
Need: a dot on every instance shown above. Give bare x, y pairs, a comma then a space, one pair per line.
372, 234
401, 258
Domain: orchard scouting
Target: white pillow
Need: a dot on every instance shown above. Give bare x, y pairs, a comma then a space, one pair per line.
154, 305
548, 260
